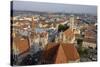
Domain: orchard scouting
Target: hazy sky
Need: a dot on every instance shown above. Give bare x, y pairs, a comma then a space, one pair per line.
52, 7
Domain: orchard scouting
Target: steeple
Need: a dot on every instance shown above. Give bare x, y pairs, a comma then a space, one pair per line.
71, 20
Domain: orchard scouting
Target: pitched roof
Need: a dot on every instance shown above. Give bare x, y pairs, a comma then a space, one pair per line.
60, 53
91, 27
49, 52
21, 44
70, 51
90, 40
90, 33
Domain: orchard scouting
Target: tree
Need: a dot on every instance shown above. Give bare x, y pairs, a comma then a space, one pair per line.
66, 26
62, 27
79, 42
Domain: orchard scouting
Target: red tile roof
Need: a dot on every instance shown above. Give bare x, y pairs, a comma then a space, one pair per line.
89, 33
70, 51
90, 40
91, 27
60, 53
21, 44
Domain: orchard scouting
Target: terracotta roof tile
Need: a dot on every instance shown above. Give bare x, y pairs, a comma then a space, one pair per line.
60, 53
70, 51
21, 44
90, 40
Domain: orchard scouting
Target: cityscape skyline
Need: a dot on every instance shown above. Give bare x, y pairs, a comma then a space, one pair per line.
52, 37
54, 7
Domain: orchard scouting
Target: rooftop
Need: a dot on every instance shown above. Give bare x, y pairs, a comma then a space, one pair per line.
60, 53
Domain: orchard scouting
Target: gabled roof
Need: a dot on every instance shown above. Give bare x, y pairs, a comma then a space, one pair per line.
60, 53
70, 51
21, 44
90, 40
90, 33
50, 52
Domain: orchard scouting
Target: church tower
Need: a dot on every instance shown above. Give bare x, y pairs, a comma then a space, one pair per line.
72, 20
33, 23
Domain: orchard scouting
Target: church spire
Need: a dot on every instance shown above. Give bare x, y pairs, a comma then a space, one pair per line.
72, 21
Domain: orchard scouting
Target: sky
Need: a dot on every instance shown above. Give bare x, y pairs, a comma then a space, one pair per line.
53, 7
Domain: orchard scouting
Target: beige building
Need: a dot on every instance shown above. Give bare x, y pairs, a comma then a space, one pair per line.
68, 36
40, 38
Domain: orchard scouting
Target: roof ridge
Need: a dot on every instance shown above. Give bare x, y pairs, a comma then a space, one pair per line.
62, 47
